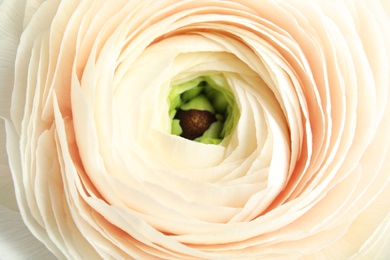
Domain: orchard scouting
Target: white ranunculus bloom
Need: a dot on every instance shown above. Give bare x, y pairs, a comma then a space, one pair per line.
186, 129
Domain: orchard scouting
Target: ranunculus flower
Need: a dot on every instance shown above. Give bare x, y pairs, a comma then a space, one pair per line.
196, 129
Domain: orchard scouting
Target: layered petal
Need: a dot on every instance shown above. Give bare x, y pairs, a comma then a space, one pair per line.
302, 171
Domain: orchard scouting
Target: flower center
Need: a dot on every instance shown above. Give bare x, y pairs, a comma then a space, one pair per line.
203, 110
194, 122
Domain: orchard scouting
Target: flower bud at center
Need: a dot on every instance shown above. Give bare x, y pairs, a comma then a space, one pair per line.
194, 122
202, 109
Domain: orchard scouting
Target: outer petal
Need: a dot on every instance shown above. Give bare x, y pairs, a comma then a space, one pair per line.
16, 241
7, 197
82, 195
11, 26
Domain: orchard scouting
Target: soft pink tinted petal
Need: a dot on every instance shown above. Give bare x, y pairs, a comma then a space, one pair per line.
98, 173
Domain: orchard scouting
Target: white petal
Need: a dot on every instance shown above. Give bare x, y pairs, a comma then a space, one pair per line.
11, 19
7, 190
16, 241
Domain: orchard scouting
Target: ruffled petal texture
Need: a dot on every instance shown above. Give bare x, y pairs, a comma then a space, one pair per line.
303, 171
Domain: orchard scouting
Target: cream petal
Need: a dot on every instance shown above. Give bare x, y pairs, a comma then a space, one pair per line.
377, 246
38, 25
310, 80
378, 56
367, 235
31, 7
15, 165
386, 7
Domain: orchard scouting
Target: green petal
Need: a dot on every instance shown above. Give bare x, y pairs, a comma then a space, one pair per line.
192, 93
176, 128
199, 103
218, 100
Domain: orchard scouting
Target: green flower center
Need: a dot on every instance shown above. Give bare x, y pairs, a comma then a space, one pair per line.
203, 109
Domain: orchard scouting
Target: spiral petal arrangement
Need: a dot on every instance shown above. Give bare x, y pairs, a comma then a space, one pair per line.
302, 167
